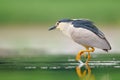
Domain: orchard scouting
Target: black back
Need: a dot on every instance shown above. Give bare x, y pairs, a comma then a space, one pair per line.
87, 25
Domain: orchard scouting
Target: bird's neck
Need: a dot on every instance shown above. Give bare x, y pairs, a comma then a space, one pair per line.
67, 30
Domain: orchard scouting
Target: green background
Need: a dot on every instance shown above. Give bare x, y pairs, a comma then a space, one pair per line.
47, 11
16, 51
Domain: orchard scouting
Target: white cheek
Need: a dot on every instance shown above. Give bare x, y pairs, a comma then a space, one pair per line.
61, 26
65, 28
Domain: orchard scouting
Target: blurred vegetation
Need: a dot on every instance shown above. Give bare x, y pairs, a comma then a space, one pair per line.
47, 11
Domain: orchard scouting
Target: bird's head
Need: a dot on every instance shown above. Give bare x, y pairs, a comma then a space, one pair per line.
61, 24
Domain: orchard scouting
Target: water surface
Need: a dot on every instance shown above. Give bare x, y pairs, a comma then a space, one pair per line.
60, 68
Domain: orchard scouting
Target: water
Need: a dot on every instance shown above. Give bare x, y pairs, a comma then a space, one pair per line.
60, 68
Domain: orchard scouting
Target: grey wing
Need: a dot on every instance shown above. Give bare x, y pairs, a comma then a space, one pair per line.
88, 25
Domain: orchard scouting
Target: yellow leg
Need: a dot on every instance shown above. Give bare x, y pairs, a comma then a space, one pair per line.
92, 50
78, 57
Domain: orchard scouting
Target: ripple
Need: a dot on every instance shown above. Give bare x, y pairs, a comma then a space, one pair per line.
72, 65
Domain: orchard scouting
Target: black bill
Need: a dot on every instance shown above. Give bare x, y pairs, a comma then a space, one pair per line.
51, 28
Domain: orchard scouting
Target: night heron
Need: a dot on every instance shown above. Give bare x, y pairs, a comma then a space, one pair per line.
83, 32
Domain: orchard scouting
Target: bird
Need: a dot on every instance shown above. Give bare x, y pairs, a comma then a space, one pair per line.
85, 33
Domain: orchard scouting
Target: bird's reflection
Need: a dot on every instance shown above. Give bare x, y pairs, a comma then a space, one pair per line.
84, 72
